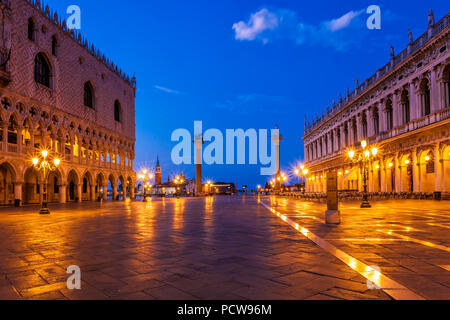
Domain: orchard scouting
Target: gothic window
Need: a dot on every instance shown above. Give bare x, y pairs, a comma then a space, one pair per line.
389, 116
88, 95
31, 29
85, 185
6, 103
54, 45
41, 70
12, 131
364, 126
405, 107
376, 122
425, 97
117, 111
55, 186
355, 131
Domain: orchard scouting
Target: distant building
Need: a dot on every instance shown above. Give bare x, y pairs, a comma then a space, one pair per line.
220, 188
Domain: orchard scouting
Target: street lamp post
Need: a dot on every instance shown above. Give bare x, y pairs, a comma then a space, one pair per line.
178, 181
364, 158
45, 162
145, 177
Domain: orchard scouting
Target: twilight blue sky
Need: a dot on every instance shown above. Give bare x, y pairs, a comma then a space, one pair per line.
242, 64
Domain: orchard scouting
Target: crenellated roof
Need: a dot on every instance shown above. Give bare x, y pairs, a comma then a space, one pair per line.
52, 16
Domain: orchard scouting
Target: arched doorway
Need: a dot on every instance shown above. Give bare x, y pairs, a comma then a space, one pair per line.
7, 178
53, 186
389, 169
121, 189
86, 187
130, 186
112, 187
72, 187
446, 169
32, 187
427, 171
99, 192
406, 173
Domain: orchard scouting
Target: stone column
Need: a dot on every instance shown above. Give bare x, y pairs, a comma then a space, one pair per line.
397, 165
105, 192
324, 182
19, 139
359, 127
132, 195
62, 193
383, 176
438, 171
115, 193
382, 115
5, 136
18, 192
342, 129
416, 172
413, 106
93, 195
434, 91
396, 113
80, 192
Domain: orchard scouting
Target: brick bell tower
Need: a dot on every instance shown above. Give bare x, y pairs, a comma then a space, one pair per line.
157, 172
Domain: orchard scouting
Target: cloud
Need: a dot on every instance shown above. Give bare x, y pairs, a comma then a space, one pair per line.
167, 90
342, 22
338, 33
259, 22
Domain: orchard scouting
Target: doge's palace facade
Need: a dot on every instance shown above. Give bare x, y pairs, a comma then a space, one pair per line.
59, 92
404, 110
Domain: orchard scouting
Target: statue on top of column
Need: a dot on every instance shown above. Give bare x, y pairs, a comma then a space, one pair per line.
431, 18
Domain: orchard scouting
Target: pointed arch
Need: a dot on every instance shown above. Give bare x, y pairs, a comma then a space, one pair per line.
117, 111
42, 70
89, 96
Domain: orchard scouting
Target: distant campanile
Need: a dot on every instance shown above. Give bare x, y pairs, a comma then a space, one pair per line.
157, 172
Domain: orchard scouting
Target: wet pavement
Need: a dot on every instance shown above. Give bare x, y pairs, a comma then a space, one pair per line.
407, 240
221, 248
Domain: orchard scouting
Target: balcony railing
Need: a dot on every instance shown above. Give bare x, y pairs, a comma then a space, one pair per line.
27, 150
409, 127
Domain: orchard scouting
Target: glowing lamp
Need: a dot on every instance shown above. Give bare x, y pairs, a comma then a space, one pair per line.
364, 144
35, 161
